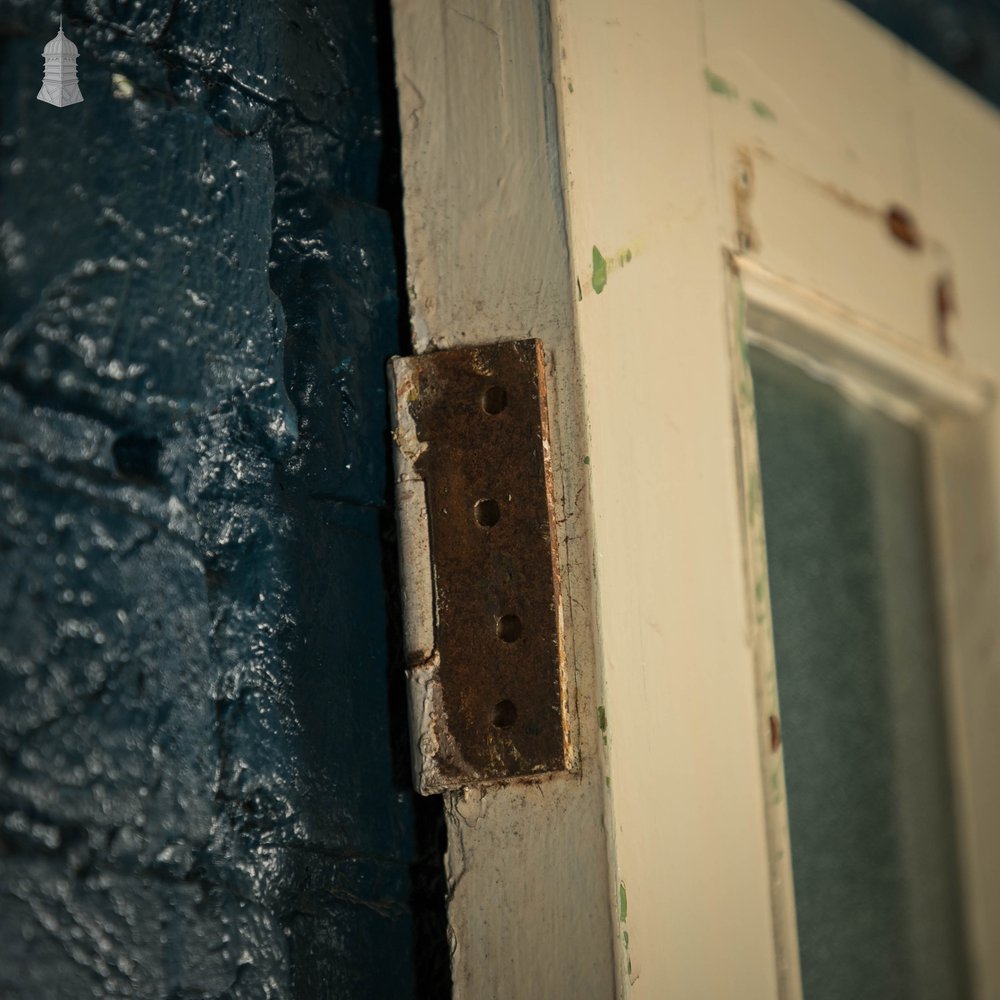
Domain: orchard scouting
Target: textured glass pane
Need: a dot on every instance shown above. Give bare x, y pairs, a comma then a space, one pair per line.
869, 793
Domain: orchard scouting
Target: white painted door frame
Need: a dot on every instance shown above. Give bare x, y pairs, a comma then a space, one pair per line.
618, 181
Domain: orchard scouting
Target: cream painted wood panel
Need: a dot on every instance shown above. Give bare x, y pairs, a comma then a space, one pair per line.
674, 637
620, 180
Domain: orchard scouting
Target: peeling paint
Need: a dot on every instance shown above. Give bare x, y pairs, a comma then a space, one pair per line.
622, 917
758, 596
603, 266
405, 385
720, 85
743, 187
600, 271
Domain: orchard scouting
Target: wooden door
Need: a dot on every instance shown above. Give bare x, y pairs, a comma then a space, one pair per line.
658, 190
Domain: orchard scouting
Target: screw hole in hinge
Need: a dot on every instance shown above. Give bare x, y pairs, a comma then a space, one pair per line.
504, 714
495, 399
509, 628
487, 513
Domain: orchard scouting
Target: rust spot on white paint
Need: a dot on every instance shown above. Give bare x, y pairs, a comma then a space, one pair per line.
746, 236
904, 227
774, 724
944, 309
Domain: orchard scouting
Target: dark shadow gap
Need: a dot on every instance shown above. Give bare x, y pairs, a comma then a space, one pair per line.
428, 883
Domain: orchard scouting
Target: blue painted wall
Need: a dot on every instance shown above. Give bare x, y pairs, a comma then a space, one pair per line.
200, 790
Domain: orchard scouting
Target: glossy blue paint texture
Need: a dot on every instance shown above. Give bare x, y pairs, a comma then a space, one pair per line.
201, 794
961, 36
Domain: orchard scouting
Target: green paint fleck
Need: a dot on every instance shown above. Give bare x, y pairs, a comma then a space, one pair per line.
629, 965
607, 782
625, 938
600, 278
579, 291
622, 903
586, 460
761, 110
720, 85
602, 718
628, 256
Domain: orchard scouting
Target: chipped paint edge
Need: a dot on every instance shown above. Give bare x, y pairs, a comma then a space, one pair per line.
416, 572
761, 639
430, 737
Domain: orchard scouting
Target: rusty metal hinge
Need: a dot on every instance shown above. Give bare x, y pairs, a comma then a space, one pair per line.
480, 572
